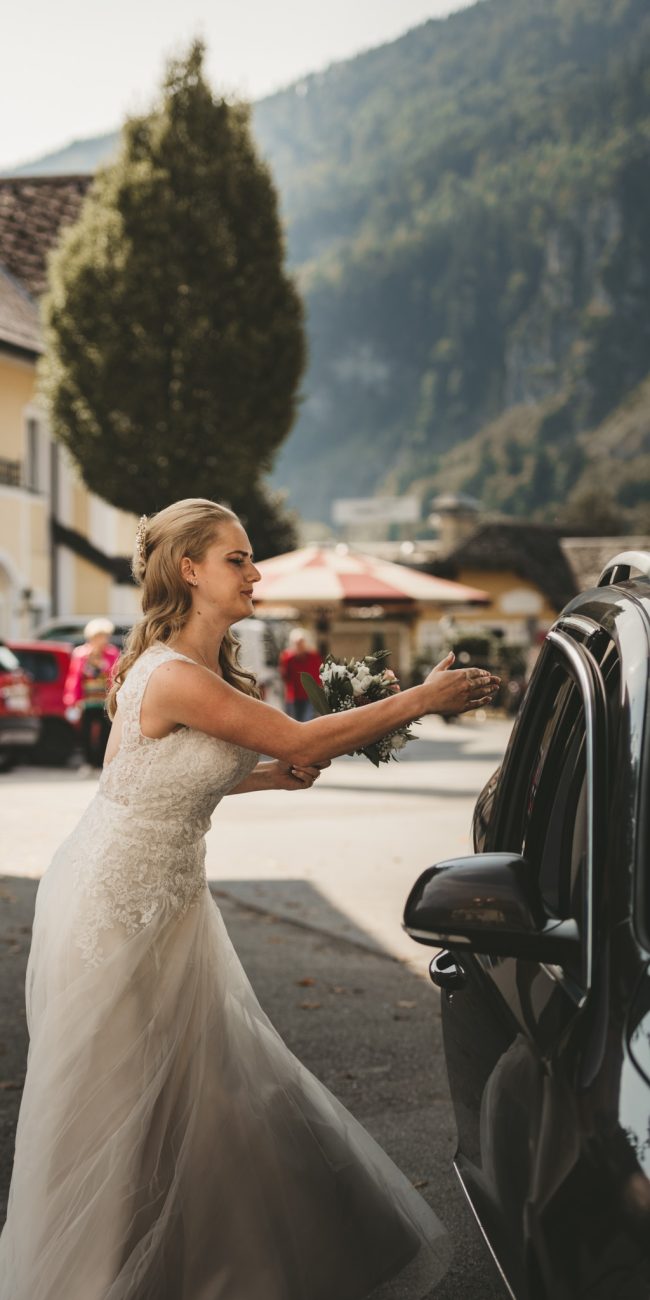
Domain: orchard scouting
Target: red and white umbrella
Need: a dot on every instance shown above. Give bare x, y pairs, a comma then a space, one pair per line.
339, 575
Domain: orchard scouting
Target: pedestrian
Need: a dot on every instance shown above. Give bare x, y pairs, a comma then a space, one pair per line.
88, 681
299, 657
170, 1146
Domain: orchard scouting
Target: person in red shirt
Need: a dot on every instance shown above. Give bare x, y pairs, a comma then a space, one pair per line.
300, 657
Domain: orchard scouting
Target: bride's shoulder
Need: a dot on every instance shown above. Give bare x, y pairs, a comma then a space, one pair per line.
147, 656
142, 667
171, 666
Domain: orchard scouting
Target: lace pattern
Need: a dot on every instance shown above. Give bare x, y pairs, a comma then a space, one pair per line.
139, 849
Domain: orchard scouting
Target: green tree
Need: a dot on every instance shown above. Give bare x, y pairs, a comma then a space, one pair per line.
174, 336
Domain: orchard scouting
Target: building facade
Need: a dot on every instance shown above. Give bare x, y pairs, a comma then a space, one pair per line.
63, 551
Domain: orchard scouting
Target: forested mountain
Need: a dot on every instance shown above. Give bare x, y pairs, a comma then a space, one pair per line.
468, 209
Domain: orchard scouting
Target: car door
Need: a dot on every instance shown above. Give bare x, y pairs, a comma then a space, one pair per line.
503, 1024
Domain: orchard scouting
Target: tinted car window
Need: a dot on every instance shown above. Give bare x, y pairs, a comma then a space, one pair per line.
556, 706
43, 667
544, 807
554, 829
556, 835
8, 661
545, 811
610, 666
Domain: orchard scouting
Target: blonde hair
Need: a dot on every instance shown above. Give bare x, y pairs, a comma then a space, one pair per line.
185, 528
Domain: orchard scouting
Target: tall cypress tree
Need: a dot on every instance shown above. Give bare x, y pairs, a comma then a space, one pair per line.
174, 336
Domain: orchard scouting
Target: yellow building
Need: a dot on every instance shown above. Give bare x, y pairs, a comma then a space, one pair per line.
63, 551
522, 567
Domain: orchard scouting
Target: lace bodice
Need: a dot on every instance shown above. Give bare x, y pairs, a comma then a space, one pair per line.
177, 780
140, 845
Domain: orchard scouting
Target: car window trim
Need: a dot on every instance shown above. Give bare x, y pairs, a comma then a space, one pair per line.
587, 677
581, 623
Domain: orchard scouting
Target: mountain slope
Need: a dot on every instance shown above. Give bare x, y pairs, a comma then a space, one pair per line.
468, 209
502, 259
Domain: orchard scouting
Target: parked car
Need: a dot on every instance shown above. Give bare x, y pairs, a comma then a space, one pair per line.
258, 650
70, 628
546, 964
19, 722
47, 663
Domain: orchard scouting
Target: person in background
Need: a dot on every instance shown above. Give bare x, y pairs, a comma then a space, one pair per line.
299, 657
86, 687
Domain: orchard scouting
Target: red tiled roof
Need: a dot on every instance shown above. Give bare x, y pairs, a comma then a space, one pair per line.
32, 211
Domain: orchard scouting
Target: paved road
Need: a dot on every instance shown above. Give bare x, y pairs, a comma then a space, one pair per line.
341, 857
311, 886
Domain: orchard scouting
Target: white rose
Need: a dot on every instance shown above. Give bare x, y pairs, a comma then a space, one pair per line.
331, 671
361, 681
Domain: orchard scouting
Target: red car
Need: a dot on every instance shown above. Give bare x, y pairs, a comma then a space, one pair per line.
47, 663
19, 721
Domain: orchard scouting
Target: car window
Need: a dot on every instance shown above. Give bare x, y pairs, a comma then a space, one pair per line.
555, 834
8, 661
554, 829
42, 665
545, 808
610, 667
550, 709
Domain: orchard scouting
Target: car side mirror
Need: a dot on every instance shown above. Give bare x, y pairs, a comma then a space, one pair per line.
488, 903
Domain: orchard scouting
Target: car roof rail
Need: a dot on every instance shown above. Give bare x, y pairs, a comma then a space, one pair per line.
618, 569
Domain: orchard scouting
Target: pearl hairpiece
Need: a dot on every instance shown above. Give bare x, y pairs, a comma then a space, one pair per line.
140, 539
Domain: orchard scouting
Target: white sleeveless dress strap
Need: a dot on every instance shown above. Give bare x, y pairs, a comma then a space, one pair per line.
131, 693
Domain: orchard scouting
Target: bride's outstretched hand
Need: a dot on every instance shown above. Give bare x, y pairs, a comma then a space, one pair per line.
287, 776
460, 690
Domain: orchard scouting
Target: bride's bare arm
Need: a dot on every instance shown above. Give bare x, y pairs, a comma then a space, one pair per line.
279, 776
187, 694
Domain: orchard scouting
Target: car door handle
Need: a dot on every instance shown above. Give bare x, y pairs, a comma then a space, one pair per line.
445, 972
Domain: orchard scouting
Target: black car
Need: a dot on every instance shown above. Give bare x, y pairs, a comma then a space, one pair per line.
546, 965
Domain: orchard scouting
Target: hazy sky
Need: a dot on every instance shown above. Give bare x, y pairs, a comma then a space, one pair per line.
72, 68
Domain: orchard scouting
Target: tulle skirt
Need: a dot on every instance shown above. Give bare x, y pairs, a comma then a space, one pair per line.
171, 1147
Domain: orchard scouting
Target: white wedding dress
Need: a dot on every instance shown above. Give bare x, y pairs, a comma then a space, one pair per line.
170, 1146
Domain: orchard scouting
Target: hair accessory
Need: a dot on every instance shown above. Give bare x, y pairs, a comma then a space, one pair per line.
140, 539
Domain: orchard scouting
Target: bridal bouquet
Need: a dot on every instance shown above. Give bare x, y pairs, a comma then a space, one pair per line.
348, 683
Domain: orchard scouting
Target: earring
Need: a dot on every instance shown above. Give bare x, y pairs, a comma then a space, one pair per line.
193, 582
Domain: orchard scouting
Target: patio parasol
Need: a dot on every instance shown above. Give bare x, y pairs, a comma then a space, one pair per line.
340, 575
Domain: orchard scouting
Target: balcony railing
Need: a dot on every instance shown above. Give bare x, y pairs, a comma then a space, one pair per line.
11, 473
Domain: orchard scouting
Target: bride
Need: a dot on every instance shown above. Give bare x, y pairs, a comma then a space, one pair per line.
169, 1145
